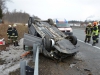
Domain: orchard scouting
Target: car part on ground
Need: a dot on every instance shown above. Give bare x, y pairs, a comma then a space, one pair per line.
2, 42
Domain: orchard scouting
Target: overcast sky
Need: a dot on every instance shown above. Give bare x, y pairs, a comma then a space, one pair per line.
69, 9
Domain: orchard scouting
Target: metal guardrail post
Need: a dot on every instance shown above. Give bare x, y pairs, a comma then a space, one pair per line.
36, 58
23, 64
23, 68
34, 51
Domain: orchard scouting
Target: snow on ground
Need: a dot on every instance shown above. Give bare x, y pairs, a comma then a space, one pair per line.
12, 58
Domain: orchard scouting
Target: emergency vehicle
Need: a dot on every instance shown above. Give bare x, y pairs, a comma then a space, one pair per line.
63, 26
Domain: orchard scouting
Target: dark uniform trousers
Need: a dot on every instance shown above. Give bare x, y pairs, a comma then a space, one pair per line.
98, 33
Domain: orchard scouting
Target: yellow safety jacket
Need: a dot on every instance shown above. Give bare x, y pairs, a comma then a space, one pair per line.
95, 30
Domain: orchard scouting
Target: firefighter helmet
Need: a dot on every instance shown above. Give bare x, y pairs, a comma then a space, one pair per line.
89, 24
94, 23
14, 25
9, 25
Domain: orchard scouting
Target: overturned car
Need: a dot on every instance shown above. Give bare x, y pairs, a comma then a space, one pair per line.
53, 43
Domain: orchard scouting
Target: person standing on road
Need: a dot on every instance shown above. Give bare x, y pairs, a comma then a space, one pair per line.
88, 32
15, 35
9, 33
95, 33
98, 30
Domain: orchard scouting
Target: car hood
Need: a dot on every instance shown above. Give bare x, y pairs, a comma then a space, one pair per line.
65, 46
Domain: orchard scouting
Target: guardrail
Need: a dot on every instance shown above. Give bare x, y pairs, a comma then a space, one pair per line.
25, 69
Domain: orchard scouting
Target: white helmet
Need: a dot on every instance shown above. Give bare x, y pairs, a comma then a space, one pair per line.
14, 25
9, 25
90, 23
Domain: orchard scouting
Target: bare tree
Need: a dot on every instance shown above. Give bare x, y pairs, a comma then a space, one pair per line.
16, 17
2, 7
1, 15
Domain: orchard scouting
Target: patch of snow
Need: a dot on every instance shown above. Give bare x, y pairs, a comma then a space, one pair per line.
12, 58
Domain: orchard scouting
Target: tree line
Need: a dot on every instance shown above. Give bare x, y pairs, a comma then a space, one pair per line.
19, 16
81, 22
14, 16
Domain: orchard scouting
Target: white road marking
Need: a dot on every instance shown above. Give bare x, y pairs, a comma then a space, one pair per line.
89, 44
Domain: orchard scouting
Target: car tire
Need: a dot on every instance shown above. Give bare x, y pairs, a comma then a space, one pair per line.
73, 39
47, 43
30, 21
50, 21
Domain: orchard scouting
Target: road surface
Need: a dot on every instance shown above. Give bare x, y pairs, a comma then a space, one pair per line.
86, 62
91, 54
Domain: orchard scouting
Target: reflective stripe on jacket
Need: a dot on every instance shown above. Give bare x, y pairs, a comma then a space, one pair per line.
95, 30
14, 32
9, 31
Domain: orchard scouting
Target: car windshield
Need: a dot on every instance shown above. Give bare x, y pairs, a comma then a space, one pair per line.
61, 25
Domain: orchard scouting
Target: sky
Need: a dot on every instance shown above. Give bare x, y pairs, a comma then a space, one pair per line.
68, 9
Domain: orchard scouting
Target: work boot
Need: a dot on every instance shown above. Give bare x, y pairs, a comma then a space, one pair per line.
14, 44
88, 41
17, 44
85, 41
93, 44
96, 41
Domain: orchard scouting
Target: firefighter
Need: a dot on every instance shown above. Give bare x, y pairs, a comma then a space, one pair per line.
98, 31
99, 27
9, 33
15, 35
88, 32
95, 33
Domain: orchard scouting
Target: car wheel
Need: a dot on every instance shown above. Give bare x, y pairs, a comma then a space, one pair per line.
73, 39
50, 21
47, 43
30, 21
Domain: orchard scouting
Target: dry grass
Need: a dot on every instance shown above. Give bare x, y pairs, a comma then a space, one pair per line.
3, 33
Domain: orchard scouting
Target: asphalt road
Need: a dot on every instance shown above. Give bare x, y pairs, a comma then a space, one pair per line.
90, 54
86, 61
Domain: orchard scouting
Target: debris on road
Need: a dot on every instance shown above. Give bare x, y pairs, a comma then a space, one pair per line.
72, 65
25, 54
86, 70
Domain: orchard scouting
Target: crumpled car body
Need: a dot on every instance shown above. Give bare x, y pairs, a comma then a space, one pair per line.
53, 43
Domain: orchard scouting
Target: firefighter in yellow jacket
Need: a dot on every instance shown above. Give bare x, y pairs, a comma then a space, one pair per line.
98, 25
95, 33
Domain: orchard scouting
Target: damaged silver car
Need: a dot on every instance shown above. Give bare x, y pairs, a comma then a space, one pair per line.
53, 43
